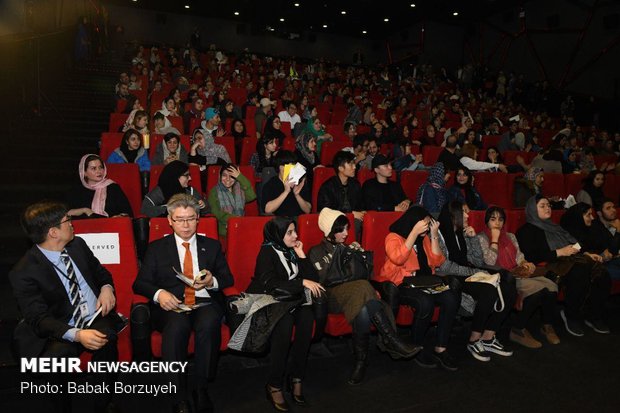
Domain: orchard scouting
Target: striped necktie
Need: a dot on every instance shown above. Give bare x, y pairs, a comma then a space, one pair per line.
74, 290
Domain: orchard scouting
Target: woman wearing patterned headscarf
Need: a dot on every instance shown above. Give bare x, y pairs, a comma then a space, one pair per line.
432, 194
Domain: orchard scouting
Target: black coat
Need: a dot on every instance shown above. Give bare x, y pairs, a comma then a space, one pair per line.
42, 298
161, 256
270, 273
332, 195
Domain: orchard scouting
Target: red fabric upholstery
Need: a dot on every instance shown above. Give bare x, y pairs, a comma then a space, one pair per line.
320, 175
495, 188
329, 149
411, 181
476, 220
109, 142
123, 273
127, 176
554, 185
229, 144
572, 183
285, 128
491, 140
245, 236
117, 120
375, 229
194, 123
611, 188
431, 154
248, 147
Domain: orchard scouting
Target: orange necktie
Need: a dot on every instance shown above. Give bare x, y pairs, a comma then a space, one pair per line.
188, 271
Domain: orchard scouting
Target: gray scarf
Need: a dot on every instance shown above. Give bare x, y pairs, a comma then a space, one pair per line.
557, 237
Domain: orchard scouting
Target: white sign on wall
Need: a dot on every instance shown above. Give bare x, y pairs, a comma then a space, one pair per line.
105, 246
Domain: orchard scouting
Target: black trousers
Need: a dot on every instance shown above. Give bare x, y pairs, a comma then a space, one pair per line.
176, 329
544, 299
485, 316
65, 349
424, 305
302, 319
584, 296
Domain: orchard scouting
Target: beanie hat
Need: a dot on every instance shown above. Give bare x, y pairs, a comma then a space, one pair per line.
327, 217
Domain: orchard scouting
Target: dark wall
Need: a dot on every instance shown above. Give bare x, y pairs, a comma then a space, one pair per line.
143, 26
555, 47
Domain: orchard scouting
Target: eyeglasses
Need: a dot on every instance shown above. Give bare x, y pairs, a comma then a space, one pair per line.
184, 221
186, 175
68, 219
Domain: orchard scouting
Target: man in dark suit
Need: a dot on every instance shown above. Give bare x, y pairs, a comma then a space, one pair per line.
192, 255
59, 286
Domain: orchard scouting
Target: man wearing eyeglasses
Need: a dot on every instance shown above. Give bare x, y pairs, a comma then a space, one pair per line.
60, 286
179, 307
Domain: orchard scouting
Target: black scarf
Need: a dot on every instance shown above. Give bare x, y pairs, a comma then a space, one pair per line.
169, 179
454, 239
273, 236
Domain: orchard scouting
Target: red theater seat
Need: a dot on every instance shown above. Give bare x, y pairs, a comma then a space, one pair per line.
245, 237
310, 234
194, 173
117, 120
320, 175
123, 272
157, 139
109, 142
329, 149
490, 140
248, 147
572, 183
411, 182
495, 188
213, 176
554, 185
127, 176
430, 154
229, 143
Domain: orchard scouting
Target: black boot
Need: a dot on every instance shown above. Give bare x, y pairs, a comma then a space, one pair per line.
389, 341
360, 349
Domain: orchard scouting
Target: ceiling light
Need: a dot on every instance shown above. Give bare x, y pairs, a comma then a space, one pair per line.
386, 20
187, 6
412, 5
364, 32
296, 4
281, 19
236, 13
325, 26
456, 13
343, 12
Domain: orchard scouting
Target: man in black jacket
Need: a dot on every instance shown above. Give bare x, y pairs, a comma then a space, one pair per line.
59, 286
343, 192
178, 308
381, 194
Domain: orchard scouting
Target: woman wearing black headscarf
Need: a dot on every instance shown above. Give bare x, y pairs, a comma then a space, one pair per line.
592, 192
174, 179
412, 250
272, 129
544, 241
282, 265
462, 250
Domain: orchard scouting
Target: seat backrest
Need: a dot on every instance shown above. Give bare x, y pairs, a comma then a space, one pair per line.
510, 157
229, 143
430, 154
494, 188
117, 120
248, 147
193, 124
515, 219
159, 228
329, 149
288, 144
490, 140
112, 242
109, 142
376, 227
411, 182
476, 220
310, 234
573, 183
285, 128
127, 176
320, 175
243, 242
554, 185
213, 176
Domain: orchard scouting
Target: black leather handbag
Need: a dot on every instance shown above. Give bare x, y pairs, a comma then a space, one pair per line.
348, 264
